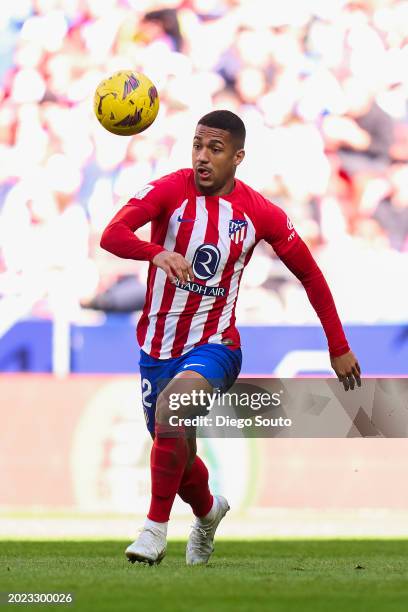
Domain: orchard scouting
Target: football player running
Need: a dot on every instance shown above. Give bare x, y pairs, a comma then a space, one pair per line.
205, 224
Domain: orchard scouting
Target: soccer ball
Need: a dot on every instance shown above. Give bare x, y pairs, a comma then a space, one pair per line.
126, 103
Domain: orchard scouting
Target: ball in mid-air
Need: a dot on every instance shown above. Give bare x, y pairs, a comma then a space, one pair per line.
126, 103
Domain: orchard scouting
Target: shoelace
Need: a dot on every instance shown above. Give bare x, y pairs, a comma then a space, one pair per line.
154, 532
201, 530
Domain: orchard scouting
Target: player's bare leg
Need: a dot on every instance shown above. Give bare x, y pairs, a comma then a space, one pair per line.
176, 468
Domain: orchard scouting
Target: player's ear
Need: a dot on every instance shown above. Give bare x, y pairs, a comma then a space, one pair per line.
239, 156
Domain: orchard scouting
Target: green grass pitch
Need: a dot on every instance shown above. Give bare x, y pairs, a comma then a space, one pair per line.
278, 575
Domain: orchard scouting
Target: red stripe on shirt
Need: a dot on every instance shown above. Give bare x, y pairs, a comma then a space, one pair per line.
214, 315
194, 299
231, 331
159, 231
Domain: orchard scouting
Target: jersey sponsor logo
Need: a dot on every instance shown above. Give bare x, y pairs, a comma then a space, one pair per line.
289, 224
237, 230
201, 289
143, 192
206, 261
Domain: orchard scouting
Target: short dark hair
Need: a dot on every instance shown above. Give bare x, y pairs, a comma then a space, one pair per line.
226, 120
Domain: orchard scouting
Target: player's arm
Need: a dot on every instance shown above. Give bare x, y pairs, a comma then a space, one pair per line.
120, 239
296, 256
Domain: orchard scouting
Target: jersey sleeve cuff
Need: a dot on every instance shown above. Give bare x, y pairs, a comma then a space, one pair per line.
154, 249
337, 352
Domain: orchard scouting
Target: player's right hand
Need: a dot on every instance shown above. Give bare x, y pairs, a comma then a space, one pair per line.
347, 369
174, 265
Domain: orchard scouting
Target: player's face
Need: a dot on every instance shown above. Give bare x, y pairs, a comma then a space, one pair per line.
215, 158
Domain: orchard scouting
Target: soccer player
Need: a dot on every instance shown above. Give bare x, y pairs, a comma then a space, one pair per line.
205, 226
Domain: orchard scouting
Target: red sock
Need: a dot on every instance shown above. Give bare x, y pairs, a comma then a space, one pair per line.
194, 488
167, 464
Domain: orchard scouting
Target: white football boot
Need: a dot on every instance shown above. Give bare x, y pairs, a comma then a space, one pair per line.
200, 545
150, 547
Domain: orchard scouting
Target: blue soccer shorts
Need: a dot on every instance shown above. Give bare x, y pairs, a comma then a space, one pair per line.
217, 363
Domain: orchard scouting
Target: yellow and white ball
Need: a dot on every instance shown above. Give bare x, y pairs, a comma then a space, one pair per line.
126, 103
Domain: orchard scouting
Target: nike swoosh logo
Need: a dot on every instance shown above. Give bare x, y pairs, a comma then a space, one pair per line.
180, 220
188, 365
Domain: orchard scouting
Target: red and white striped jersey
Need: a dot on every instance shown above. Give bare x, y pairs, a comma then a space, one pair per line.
217, 236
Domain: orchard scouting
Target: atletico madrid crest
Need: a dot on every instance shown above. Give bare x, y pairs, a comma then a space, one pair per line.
237, 230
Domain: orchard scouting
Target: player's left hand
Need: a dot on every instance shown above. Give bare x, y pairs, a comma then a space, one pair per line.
347, 369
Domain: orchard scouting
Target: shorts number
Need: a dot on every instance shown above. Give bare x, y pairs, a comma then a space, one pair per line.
146, 391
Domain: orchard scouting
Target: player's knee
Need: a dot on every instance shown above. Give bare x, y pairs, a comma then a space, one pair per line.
184, 386
162, 409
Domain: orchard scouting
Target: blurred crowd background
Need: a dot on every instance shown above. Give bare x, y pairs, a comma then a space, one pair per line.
322, 87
